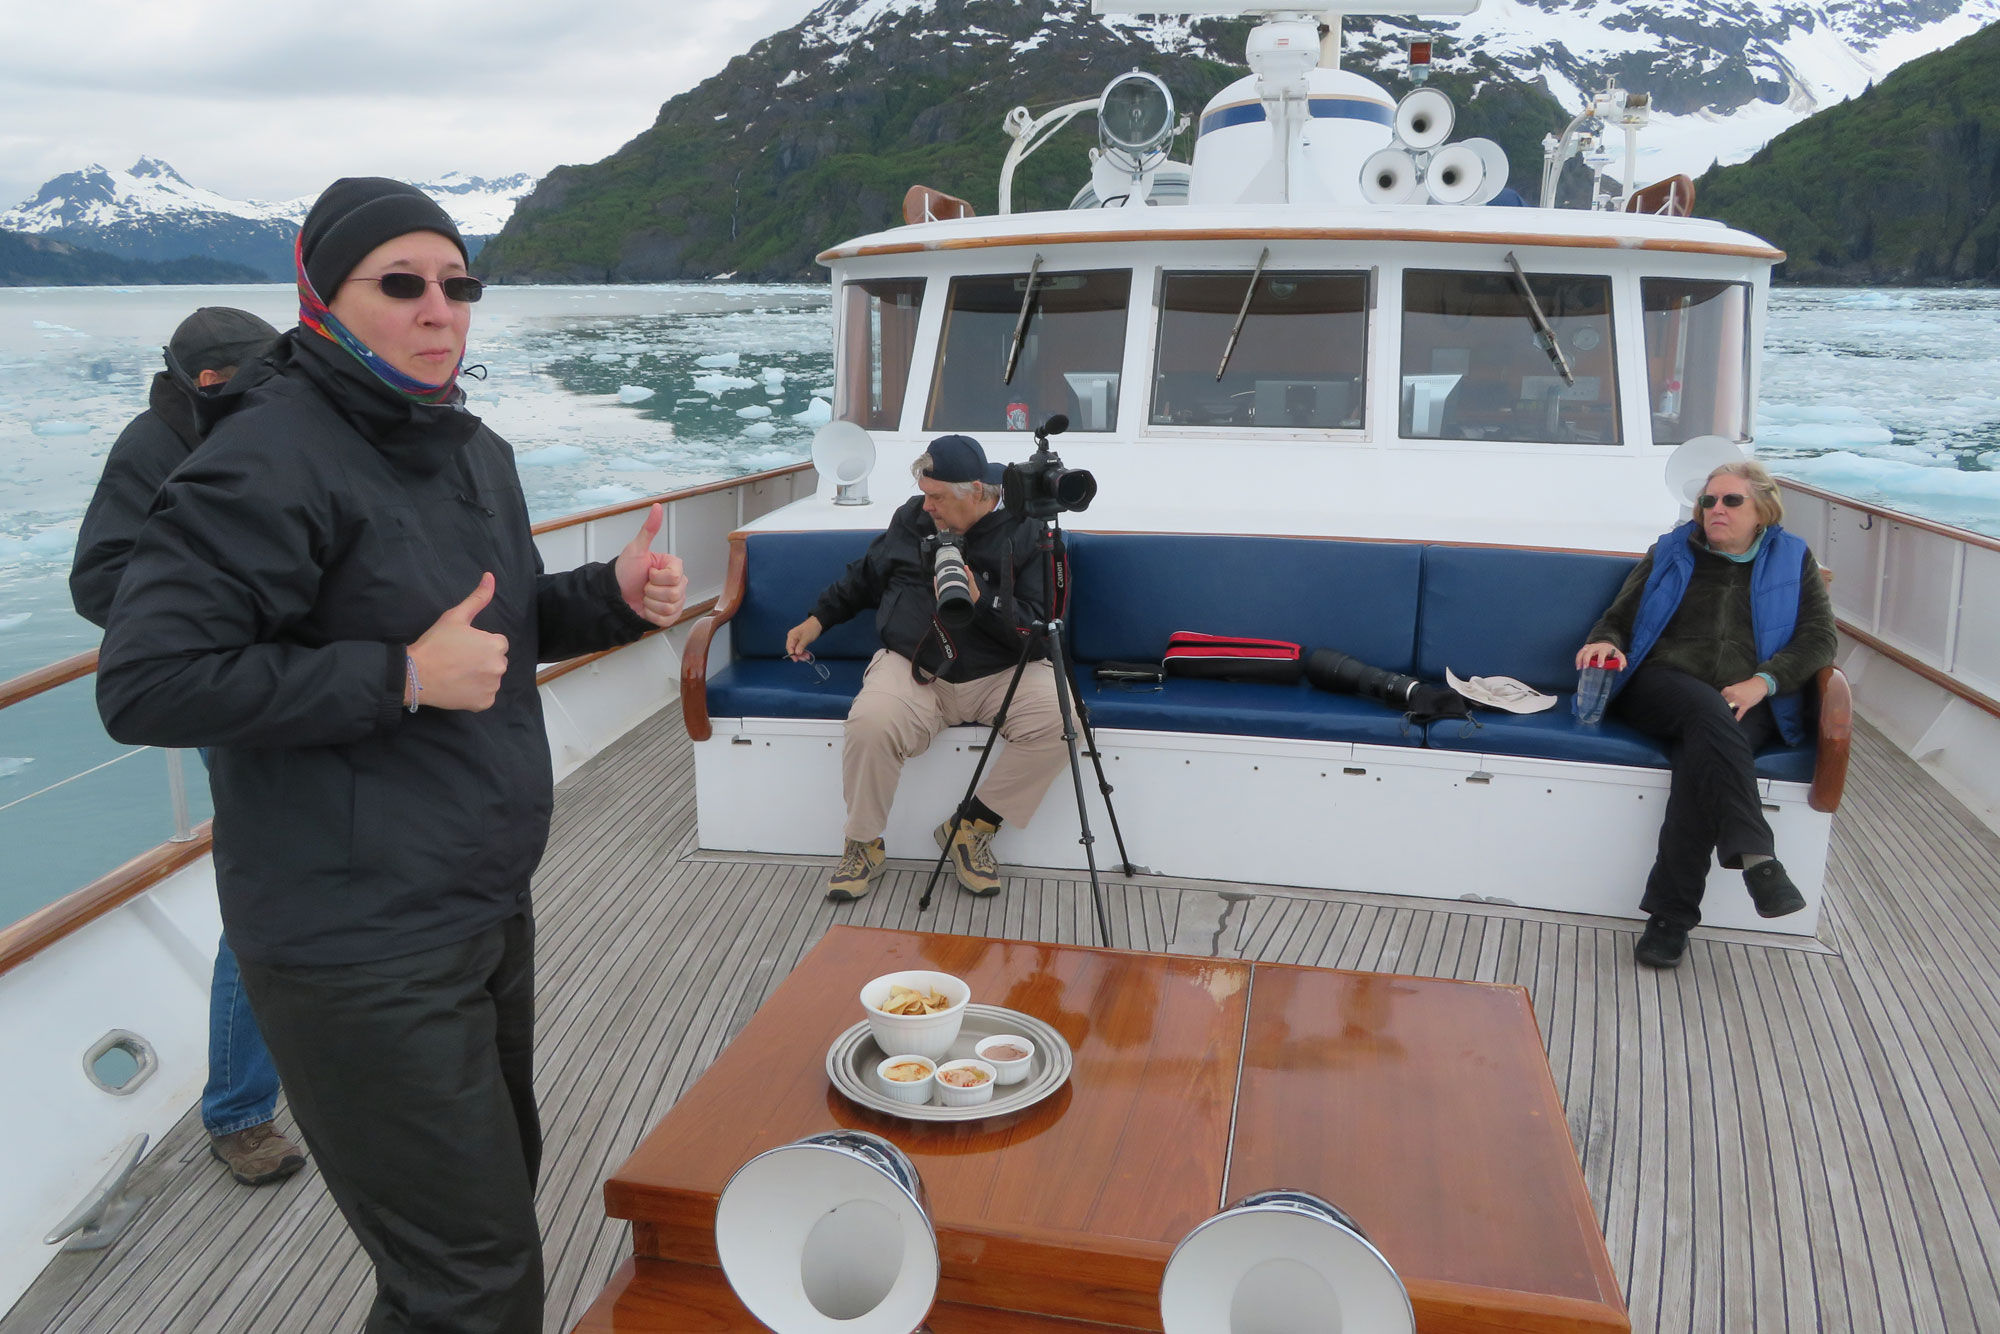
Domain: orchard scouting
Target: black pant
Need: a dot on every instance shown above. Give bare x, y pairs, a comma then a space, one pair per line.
1713, 805
412, 1080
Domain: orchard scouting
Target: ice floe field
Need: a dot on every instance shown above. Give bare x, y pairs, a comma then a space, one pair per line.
610, 393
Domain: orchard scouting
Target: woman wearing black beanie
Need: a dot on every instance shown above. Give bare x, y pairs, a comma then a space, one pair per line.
339, 593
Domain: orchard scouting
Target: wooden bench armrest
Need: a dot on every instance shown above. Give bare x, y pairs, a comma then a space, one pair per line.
694, 658
1836, 735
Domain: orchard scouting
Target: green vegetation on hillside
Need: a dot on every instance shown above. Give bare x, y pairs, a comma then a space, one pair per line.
1897, 186
37, 261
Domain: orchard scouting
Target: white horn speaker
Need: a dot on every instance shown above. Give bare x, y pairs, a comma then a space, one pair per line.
1456, 174
1423, 119
1691, 463
830, 1234
1282, 1262
1497, 167
844, 453
1389, 176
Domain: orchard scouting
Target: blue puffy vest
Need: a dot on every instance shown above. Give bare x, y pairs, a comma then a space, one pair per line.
1774, 608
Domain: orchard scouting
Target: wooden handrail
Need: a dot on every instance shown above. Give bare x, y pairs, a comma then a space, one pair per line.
1965, 535
628, 506
568, 665
1836, 735
37, 931
31, 684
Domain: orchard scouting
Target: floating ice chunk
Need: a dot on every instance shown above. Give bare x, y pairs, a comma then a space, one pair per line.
550, 456
755, 412
721, 384
774, 377
760, 431
609, 494
604, 358
10, 621
627, 463
1819, 427
720, 361
62, 428
633, 393
818, 413
13, 764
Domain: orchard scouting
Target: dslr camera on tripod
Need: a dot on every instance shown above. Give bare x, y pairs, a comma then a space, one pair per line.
1041, 487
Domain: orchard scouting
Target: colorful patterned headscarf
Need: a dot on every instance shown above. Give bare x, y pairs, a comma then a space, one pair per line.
315, 315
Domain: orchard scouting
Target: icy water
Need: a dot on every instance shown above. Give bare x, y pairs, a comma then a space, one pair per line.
609, 393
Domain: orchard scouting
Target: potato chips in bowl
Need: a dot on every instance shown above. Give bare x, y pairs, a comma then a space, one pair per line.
915, 1012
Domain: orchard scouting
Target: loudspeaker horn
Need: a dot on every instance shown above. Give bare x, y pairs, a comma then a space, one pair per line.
830, 1235
1456, 174
844, 453
1278, 1262
1423, 119
1497, 167
1389, 176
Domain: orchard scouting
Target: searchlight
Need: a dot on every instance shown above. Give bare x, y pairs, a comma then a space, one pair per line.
1135, 119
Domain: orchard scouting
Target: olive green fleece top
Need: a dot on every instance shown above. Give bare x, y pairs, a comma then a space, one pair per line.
1710, 637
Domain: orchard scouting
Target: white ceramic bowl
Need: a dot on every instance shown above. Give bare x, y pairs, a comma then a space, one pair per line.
918, 1034
917, 1092
1006, 1072
953, 1096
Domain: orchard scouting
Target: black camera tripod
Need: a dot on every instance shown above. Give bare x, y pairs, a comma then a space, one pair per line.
1050, 632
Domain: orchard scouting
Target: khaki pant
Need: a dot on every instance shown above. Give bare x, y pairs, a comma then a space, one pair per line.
895, 716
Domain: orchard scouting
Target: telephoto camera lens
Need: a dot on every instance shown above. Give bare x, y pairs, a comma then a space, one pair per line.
1330, 669
952, 581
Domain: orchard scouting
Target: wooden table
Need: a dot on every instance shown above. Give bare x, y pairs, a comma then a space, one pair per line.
1422, 1108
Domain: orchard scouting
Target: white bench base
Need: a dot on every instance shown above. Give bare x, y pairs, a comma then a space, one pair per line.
1548, 834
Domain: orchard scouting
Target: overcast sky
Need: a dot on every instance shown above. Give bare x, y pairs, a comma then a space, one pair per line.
272, 101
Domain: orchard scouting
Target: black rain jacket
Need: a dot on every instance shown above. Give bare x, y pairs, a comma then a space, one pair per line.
324, 524
155, 442
894, 577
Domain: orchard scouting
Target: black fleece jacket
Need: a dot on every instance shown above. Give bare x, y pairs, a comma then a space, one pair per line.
894, 576
152, 445
323, 525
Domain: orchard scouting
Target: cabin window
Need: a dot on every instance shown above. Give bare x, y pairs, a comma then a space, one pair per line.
1070, 351
1474, 369
1697, 358
878, 337
1299, 360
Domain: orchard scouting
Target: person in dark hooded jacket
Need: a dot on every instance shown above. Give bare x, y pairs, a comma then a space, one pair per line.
340, 593
240, 1100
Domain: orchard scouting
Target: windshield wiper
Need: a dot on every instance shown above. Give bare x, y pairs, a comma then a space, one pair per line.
1229, 349
1544, 333
1021, 324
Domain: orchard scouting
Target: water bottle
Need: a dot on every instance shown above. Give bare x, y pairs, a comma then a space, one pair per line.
1593, 692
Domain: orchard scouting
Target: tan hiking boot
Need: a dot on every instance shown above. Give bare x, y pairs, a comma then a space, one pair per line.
860, 863
972, 855
257, 1156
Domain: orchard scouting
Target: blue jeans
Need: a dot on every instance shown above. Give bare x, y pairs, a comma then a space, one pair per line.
242, 1088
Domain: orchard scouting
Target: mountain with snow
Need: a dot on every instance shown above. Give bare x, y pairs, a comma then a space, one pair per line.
151, 212
813, 135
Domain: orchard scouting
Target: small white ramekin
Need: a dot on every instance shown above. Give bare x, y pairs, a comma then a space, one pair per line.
1006, 1072
916, 1092
953, 1096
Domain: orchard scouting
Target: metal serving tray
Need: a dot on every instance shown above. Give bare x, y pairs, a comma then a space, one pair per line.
851, 1062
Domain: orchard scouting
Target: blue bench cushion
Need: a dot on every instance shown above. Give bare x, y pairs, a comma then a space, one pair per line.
1131, 591
779, 688
1241, 708
1556, 735
1498, 612
783, 576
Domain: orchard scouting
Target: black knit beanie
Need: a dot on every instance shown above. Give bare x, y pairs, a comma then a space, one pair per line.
357, 213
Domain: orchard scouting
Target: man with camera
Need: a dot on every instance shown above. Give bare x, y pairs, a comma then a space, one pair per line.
957, 582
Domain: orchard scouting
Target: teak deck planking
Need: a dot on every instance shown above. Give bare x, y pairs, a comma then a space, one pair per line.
1777, 1136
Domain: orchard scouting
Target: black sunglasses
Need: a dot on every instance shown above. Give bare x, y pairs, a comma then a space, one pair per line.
1734, 500
401, 286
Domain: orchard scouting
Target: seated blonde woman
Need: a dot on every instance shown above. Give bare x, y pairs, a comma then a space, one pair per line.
1717, 631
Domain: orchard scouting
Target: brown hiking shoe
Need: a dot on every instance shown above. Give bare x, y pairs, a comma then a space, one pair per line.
972, 855
860, 863
257, 1156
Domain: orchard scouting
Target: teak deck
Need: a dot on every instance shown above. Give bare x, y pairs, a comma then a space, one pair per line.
1423, 1108
1775, 1137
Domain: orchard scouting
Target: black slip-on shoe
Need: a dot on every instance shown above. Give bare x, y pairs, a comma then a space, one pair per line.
1772, 890
1661, 944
